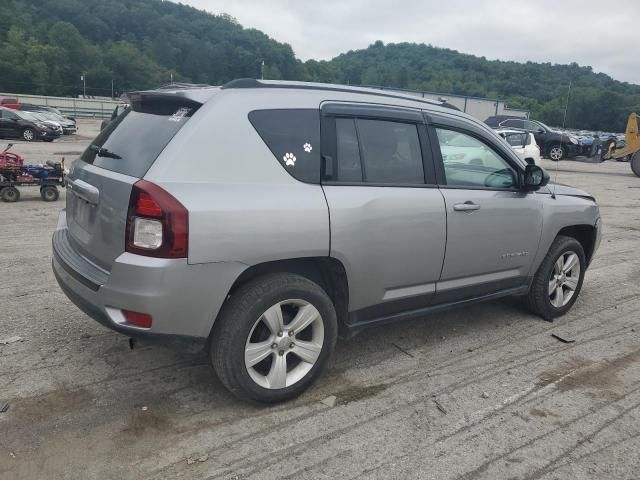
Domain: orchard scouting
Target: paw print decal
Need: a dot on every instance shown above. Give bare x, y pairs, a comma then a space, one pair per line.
289, 159
307, 147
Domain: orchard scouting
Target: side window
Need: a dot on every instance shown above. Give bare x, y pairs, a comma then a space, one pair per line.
532, 126
390, 152
348, 152
469, 162
513, 123
8, 114
517, 139
293, 136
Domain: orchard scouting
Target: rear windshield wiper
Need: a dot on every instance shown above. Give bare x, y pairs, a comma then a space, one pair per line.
103, 152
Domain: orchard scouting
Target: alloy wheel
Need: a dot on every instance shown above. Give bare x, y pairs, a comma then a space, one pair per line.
556, 153
564, 279
28, 135
284, 344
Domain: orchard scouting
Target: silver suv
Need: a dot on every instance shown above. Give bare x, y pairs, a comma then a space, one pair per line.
260, 219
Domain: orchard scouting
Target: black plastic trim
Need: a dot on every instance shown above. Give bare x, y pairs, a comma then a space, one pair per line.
372, 319
63, 252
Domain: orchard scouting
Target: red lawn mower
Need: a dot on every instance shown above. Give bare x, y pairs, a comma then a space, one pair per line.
14, 173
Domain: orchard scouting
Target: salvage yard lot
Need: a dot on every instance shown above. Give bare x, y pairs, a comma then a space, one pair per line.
484, 392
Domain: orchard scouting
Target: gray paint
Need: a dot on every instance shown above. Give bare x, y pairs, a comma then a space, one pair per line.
245, 209
387, 238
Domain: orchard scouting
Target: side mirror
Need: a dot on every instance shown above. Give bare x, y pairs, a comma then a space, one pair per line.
535, 177
540, 131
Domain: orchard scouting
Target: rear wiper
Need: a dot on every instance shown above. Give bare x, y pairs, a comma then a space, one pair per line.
103, 152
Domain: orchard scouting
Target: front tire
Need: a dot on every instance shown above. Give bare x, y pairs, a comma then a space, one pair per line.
556, 152
273, 338
28, 135
558, 281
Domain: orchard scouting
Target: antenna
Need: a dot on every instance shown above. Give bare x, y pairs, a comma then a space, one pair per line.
564, 122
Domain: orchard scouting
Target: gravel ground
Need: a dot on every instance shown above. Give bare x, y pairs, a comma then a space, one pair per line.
484, 392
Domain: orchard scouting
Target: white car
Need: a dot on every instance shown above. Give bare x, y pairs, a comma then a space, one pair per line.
523, 143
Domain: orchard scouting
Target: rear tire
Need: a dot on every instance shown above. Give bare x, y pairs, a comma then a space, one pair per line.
635, 163
10, 194
249, 322
554, 290
49, 194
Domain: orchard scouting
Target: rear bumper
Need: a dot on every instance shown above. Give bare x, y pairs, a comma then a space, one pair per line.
182, 299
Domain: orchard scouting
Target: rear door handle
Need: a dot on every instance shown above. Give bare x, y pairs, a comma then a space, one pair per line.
467, 206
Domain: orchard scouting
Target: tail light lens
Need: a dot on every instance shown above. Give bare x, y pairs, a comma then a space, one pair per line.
138, 319
157, 223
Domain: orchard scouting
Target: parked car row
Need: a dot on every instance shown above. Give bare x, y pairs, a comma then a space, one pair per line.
28, 121
26, 126
553, 144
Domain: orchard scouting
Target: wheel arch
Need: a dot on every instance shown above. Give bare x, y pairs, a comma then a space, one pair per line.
583, 233
328, 272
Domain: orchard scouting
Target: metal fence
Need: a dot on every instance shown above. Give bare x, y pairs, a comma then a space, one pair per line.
75, 107
481, 108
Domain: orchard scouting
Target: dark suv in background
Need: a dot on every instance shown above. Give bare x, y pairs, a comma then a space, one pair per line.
553, 144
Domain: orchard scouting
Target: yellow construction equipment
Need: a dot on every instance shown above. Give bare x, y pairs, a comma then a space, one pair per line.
632, 144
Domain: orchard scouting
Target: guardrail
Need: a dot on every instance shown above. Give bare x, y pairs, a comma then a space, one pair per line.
75, 107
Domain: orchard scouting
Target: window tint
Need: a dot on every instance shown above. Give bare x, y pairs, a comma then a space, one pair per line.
139, 136
8, 114
390, 152
513, 122
532, 126
472, 163
516, 139
293, 136
348, 152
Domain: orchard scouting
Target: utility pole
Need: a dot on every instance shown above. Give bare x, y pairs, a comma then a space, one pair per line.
112, 89
171, 77
84, 84
262, 71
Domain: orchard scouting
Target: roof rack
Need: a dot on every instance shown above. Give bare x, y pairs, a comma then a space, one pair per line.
253, 83
178, 85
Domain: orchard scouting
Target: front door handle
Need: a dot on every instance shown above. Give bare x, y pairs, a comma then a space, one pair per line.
467, 206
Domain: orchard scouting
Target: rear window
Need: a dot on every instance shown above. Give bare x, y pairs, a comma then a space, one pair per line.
293, 136
139, 135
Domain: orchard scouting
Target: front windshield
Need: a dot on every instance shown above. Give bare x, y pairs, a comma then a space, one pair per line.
26, 115
546, 127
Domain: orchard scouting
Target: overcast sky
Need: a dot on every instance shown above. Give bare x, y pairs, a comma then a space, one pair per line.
603, 34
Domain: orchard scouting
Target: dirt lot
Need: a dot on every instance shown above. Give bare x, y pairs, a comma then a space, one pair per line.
480, 393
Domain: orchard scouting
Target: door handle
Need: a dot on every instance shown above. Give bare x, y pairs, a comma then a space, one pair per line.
467, 206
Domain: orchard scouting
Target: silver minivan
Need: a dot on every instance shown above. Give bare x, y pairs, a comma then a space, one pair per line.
262, 218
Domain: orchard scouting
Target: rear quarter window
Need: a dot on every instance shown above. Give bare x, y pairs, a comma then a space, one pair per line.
293, 136
139, 135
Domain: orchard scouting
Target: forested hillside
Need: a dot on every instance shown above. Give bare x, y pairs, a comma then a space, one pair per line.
45, 46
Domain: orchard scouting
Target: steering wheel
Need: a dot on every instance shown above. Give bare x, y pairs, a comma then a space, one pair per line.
495, 177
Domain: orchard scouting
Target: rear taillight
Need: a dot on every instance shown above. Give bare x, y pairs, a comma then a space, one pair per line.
157, 223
